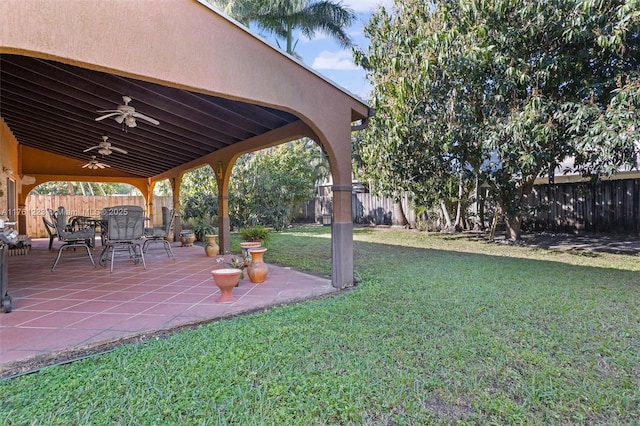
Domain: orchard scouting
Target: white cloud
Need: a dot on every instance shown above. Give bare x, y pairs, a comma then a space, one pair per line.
367, 5
340, 60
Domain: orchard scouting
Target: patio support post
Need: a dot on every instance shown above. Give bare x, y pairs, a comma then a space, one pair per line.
224, 224
337, 147
21, 217
149, 206
175, 193
342, 238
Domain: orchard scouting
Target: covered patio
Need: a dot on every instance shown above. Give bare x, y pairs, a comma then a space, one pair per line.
217, 90
79, 309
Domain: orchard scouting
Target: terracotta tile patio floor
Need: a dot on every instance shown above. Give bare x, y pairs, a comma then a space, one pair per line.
80, 306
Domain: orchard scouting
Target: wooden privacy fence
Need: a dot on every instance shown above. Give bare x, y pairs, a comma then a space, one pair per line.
365, 208
608, 206
79, 205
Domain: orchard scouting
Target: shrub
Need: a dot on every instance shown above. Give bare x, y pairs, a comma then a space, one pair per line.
255, 233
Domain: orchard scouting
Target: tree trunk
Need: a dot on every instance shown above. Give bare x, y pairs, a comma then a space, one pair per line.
514, 225
447, 218
513, 207
399, 218
458, 224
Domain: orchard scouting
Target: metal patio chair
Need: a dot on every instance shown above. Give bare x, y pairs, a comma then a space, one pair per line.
51, 230
159, 234
72, 239
125, 227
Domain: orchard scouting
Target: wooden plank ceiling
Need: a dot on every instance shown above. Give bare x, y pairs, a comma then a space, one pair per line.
53, 106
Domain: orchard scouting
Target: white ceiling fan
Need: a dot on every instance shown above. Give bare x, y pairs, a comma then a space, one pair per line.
105, 147
95, 164
126, 114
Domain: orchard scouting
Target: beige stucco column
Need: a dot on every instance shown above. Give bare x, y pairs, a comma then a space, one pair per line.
222, 169
149, 203
342, 237
338, 149
175, 182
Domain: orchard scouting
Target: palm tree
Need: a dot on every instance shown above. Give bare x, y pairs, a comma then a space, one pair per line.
282, 17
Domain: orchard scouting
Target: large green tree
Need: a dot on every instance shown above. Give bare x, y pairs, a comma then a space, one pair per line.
266, 186
199, 195
503, 91
424, 136
283, 17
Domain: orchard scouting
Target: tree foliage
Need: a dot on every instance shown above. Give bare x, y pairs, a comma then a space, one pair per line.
266, 186
282, 17
502, 90
199, 195
85, 188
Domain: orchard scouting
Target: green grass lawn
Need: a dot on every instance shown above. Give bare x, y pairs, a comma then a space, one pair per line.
441, 330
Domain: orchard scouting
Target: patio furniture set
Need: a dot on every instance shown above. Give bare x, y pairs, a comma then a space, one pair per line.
122, 230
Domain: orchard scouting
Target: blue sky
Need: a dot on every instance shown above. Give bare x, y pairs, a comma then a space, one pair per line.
328, 58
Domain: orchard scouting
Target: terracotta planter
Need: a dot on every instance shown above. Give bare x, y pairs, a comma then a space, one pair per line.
248, 245
212, 248
257, 269
226, 279
187, 238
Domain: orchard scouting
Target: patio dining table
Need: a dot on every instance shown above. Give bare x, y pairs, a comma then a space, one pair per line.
77, 223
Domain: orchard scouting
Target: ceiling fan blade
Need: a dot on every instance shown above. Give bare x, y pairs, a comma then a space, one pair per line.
89, 149
107, 116
105, 111
115, 148
145, 117
86, 165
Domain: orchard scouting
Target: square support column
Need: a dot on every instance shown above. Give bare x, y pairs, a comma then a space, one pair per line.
224, 223
342, 238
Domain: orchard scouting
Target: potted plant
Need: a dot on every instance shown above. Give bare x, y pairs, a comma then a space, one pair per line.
234, 263
201, 229
255, 233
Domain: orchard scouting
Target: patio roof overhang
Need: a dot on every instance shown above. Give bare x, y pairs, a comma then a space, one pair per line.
209, 81
217, 89
51, 106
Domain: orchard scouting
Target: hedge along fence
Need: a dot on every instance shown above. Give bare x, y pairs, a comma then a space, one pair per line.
80, 205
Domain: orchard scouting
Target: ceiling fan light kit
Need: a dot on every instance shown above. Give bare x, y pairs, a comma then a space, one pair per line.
105, 147
95, 164
123, 114
126, 114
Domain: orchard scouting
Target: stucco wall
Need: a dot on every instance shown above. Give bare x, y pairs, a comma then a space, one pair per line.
8, 160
